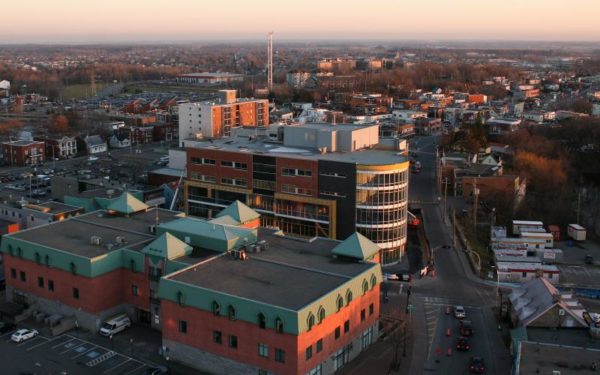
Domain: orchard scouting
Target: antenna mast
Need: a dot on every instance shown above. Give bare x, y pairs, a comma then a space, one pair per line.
270, 60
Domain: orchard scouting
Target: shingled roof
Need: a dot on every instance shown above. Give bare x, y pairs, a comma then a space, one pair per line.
356, 246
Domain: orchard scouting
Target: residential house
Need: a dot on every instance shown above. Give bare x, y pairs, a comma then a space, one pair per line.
95, 144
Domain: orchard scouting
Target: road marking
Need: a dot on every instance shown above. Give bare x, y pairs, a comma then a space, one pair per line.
72, 347
85, 352
31, 340
135, 369
62, 343
114, 367
43, 343
9, 333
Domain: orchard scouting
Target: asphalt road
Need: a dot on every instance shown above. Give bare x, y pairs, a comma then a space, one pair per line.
452, 285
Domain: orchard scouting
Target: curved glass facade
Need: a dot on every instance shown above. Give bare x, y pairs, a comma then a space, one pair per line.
381, 208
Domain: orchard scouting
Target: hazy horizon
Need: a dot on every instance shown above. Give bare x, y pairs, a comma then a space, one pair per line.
185, 21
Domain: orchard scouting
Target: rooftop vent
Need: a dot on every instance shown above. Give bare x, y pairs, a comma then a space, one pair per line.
120, 240
96, 240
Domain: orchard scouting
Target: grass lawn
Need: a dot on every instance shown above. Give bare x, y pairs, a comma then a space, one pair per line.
478, 241
80, 91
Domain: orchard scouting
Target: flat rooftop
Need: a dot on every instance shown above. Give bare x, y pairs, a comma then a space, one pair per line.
260, 147
544, 359
290, 274
73, 235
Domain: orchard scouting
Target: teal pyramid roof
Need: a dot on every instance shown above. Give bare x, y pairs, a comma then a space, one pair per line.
127, 204
239, 212
356, 246
167, 246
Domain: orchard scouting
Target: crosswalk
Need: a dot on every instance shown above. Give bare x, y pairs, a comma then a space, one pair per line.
436, 300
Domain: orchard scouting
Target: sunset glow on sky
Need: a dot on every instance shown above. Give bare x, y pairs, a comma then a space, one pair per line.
189, 20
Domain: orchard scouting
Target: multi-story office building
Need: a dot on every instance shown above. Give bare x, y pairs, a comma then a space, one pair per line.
321, 181
228, 296
214, 119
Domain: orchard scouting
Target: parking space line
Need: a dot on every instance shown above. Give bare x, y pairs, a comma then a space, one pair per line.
9, 333
62, 343
43, 343
71, 348
85, 352
30, 340
135, 369
116, 366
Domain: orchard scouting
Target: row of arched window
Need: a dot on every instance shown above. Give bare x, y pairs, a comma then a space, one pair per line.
261, 319
340, 302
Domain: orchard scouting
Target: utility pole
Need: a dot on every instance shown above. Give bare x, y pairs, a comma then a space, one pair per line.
445, 198
476, 195
454, 227
578, 205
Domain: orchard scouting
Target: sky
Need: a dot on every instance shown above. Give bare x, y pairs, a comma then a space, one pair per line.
81, 21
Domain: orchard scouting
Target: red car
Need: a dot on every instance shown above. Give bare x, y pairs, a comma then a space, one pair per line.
476, 366
462, 344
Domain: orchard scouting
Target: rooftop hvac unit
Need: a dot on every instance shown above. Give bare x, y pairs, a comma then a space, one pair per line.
264, 245
119, 240
109, 246
96, 240
152, 228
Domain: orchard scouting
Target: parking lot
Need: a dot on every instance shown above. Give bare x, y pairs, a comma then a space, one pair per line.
65, 354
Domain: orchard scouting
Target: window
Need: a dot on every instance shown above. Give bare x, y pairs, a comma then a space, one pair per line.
332, 174
310, 321
339, 303
182, 325
262, 321
524, 274
348, 297
231, 312
365, 287
236, 165
41, 282
337, 333
333, 194
76, 293
371, 309
346, 326
217, 337
134, 290
309, 353
263, 350
293, 189
13, 273
363, 315
321, 314
23, 276
51, 285
179, 297
234, 181
318, 370
233, 341
296, 172
279, 325
280, 355
319, 345
373, 281
202, 161
216, 308
262, 372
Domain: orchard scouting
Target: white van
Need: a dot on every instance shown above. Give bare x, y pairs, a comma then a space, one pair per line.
115, 324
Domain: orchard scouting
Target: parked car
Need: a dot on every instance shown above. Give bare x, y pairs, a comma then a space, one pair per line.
476, 365
466, 328
462, 344
6, 327
23, 335
459, 312
115, 324
391, 277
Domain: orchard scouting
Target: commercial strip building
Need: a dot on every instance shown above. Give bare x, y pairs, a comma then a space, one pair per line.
229, 297
214, 119
321, 180
22, 153
209, 78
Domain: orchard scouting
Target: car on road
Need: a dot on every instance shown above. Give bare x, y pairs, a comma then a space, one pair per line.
23, 335
476, 365
466, 328
391, 277
93, 158
6, 327
459, 312
462, 344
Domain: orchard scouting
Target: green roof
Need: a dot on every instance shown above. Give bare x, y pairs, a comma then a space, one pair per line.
208, 235
226, 220
127, 204
356, 246
167, 246
239, 212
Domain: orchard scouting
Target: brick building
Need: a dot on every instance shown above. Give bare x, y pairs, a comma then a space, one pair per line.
228, 296
321, 181
214, 119
22, 153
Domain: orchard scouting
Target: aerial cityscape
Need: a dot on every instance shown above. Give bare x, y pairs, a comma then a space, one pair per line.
313, 188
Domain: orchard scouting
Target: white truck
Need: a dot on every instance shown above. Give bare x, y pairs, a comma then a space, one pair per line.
576, 232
